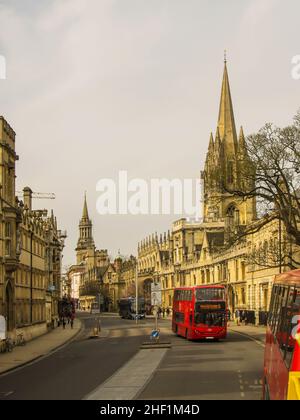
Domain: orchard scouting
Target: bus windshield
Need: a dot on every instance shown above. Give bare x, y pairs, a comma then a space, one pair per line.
210, 294
211, 319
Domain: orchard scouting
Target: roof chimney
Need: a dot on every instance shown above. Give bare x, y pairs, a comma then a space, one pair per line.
27, 196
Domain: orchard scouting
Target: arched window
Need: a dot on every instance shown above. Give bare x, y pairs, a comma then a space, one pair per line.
233, 215
231, 210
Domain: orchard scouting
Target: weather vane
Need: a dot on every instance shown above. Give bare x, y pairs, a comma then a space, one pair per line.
225, 56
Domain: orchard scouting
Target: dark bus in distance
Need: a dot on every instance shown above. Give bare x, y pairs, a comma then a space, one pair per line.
127, 308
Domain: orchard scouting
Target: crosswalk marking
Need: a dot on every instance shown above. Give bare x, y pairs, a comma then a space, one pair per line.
134, 332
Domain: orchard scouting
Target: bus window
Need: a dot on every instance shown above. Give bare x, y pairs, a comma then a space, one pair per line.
210, 294
211, 319
271, 309
287, 309
179, 317
279, 305
293, 311
280, 325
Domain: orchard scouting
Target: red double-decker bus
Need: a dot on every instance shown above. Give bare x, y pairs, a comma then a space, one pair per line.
282, 354
200, 312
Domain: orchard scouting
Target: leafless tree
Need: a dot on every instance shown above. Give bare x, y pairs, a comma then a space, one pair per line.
270, 172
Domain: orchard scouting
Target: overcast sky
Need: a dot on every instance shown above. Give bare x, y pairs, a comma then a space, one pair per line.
98, 86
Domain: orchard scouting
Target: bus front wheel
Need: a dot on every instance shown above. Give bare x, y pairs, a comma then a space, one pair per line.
188, 335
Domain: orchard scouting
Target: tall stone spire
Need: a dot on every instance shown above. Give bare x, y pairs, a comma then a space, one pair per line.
85, 241
224, 166
85, 213
211, 143
226, 122
242, 141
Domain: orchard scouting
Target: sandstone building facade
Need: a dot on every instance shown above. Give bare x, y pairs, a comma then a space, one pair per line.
98, 274
30, 253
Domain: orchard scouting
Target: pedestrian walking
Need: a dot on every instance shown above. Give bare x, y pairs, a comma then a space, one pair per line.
168, 312
229, 315
164, 312
237, 317
72, 320
243, 316
159, 312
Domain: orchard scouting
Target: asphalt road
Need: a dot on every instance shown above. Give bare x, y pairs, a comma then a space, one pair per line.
74, 371
226, 370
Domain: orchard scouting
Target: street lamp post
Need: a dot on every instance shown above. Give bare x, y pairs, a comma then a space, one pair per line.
136, 294
155, 301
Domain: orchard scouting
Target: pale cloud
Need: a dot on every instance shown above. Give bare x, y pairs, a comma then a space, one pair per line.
258, 12
95, 86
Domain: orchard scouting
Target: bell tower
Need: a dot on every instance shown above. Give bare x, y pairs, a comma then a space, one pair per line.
85, 241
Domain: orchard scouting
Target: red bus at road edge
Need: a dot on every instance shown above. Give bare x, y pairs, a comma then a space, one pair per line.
282, 354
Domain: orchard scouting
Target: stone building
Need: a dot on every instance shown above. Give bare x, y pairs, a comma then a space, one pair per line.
30, 253
203, 253
98, 273
119, 280
73, 281
91, 263
38, 275
9, 220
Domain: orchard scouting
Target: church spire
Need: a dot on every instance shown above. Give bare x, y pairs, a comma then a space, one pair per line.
242, 141
85, 242
85, 213
211, 143
225, 168
226, 122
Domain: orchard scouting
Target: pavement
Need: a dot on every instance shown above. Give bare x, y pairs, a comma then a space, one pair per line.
256, 333
38, 347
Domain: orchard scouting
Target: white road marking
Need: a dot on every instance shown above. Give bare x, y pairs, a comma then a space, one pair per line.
9, 393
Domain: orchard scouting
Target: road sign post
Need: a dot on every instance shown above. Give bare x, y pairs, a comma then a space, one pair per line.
96, 310
156, 301
136, 295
